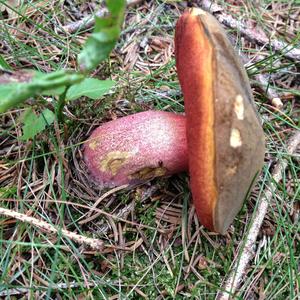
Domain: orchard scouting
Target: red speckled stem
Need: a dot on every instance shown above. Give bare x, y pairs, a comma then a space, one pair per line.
136, 148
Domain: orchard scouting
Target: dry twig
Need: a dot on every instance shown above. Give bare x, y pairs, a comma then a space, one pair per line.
16, 76
88, 21
59, 286
262, 81
247, 250
251, 34
272, 95
93, 243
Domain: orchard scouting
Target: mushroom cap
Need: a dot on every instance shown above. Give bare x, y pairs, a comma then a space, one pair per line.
137, 148
224, 135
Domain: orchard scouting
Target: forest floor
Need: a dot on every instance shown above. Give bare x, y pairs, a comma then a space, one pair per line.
154, 246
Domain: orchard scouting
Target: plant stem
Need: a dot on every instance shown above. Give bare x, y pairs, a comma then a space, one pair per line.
60, 105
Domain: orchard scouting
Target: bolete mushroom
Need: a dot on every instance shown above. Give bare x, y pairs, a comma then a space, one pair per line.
225, 141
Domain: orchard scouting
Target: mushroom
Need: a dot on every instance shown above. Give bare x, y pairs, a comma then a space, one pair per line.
225, 141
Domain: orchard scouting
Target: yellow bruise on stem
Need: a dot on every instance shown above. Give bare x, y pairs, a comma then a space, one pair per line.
114, 161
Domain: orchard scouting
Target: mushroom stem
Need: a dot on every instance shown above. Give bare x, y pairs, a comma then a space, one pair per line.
137, 148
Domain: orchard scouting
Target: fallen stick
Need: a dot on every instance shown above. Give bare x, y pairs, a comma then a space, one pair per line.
17, 291
262, 81
247, 247
15, 77
251, 34
272, 95
89, 21
95, 244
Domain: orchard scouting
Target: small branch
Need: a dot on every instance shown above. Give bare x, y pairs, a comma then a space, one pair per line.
262, 81
15, 76
251, 34
93, 243
272, 95
89, 21
247, 251
59, 286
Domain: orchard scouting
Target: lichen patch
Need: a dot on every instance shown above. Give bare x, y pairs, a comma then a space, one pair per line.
114, 161
239, 107
235, 138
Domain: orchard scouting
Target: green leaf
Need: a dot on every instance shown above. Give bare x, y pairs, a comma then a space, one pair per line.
13, 94
90, 87
54, 92
34, 124
102, 41
93, 53
5, 89
4, 64
108, 35
115, 7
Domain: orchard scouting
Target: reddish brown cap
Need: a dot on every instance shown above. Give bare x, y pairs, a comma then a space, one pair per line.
224, 135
